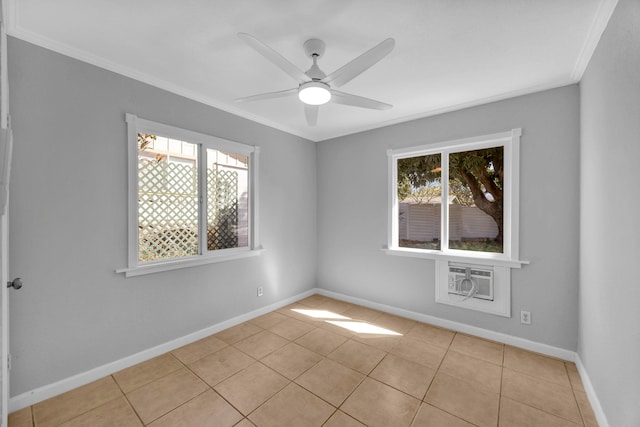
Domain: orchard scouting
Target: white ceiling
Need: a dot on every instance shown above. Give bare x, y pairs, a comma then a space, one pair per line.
449, 54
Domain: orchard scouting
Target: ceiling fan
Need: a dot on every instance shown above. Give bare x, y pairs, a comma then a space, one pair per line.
314, 86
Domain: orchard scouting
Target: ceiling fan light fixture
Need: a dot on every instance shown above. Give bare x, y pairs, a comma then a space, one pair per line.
314, 93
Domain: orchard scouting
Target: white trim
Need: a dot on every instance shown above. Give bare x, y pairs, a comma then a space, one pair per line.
599, 24
6, 145
438, 110
50, 390
5, 377
512, 187
20, 33
444, 202
4, 72
392, 198
64, 49
254, 172
591, 393
203, 202
523, 343
132, 186
478, 257
454, 145
510, 141
137, 125
232, 254
156, 128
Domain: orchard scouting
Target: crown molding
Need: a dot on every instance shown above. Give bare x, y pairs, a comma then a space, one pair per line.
599, 24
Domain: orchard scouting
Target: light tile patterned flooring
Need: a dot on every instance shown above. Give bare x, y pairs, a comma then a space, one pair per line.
287, 368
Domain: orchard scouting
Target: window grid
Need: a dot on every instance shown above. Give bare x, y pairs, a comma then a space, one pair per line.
510, 143
182, 213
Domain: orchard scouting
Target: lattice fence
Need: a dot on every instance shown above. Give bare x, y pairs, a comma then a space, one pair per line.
222, 210
168, 210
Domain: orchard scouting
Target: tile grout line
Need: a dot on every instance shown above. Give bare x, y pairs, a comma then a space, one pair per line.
233, 345
148, 382
501, 379
127, 399
363, 379
92, 409
325, 357
573, 392
291, 381
351, 337
323, 399
210, 386
184, 365
548, 383
434, 377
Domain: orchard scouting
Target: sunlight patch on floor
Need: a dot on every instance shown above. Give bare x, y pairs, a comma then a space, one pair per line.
320, 314
363, 327
357, 326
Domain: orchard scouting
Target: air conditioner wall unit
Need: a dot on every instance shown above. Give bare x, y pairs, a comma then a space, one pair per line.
491, 293
470, 281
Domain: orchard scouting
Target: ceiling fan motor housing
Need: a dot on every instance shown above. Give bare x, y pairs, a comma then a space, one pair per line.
314, 47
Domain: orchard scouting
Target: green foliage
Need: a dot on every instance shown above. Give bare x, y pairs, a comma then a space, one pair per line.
482, 168
419, 171
426, 194
144, 140
486, 245
475, 177
404, 188
461, 191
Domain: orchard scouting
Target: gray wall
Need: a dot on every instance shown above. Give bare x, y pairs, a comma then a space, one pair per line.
352, 215
609, 343
68, 230
68, 218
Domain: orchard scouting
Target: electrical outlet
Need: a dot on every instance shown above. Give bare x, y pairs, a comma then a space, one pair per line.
525, 317
259, 291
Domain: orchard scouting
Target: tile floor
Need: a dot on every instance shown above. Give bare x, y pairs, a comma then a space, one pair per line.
288, 368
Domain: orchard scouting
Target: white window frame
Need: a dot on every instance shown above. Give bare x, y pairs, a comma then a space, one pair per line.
510, 257
137, 125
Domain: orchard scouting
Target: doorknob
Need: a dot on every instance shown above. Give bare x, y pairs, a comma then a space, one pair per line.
16, 284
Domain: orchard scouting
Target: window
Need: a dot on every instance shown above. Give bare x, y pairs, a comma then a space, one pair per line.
192, 198
456, 199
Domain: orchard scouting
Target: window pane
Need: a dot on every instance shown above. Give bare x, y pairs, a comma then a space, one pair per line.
419, 200
476, 200
227, 200
167, 199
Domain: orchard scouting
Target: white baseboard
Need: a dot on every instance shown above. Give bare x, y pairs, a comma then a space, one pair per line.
591, 394
42, 393
546, 349
45, 392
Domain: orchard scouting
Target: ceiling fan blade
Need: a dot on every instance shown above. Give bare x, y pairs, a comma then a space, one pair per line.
311, 113
360, 64
273, 56
357, 101
269, 95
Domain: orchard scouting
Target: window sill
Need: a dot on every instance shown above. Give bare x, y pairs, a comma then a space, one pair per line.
190, 262
475, 259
